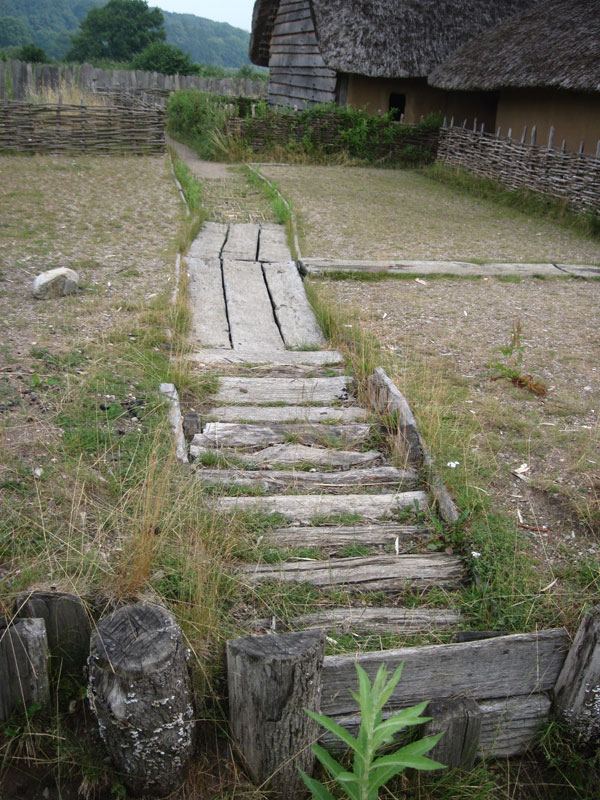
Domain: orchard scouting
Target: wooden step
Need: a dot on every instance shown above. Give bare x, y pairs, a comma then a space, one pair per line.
242, 435
338, 536
281, 358
305, 507
269, 480
285, 414
294, 313
296, 454
291, 391
249, 309
381, 573
364, 621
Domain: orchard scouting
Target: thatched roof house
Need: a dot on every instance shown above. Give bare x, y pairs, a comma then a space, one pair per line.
544, 66
366, 52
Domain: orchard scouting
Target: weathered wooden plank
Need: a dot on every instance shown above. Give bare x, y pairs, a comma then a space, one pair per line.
23, 667
364, 621
285, 414
293, 391
489, 668
292, 14
272, 680
376, 477
207, 303
240, 435
383, 573
300, 93
509, 726
209, 242
338, 536
302, 507
301, 454
242, 242
459, 720
298, 26
300, 60
283, 45
323, 72
249, 308
283, 358
389, 401
312, 80
577, 691
297, 321
272, 244
512, 725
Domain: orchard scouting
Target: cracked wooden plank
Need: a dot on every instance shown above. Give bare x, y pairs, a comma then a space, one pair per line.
279, 358
339, 536
303, 507
382, 573
243, 435
249, 308
286, 414
242, 242
209, 242
291, 391
296, 318
207, 303
273, 244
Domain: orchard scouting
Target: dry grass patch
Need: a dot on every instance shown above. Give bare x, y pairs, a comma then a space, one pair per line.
366, 213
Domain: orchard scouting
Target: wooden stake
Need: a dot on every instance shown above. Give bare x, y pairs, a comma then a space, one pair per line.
272, 679
577, 690
460, 720
23, 667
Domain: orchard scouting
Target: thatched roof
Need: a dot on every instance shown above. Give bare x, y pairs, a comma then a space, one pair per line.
553, 45
393, 39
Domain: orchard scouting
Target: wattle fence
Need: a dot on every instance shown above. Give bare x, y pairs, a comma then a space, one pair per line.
72, 129
517, 164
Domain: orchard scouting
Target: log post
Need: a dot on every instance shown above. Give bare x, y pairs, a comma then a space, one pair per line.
67, 626
387, 399
577, 690
139, 689
23, 667
460, 720
272, 679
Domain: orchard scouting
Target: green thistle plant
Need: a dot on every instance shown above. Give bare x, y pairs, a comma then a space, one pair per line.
370, 773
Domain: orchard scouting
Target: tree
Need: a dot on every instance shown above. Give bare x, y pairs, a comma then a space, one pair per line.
165, 58
117, 31
32, 54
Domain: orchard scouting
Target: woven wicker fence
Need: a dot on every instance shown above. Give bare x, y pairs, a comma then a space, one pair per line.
69, 129
326, 133
573, 177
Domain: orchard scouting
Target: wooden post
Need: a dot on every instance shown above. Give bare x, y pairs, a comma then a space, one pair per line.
498, 132
67, 626
581, 146
272, 679
551, 138
460, 720
598, 149
577, 690
139, 689
389, 401
23, 667
533, 135
524, 134
509, 134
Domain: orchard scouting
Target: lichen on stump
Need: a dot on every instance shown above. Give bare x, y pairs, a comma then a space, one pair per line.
140, 690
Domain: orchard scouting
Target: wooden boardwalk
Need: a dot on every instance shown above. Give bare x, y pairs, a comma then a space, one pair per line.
285, 436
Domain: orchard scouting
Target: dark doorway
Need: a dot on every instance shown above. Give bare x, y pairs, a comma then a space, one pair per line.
397, 105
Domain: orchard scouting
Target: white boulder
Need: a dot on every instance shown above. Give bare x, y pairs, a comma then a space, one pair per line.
55, 283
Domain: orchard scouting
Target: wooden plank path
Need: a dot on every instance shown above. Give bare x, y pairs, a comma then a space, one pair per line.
285, 437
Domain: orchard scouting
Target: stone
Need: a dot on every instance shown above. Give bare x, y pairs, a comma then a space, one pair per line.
55, 283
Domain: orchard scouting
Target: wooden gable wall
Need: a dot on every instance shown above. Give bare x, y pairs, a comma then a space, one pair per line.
298, 76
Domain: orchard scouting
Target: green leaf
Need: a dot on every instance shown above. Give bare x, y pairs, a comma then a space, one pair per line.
331, 765
334, 728
387, 690
316, 789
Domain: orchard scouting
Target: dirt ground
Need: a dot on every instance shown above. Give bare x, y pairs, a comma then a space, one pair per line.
366, 213
457, 327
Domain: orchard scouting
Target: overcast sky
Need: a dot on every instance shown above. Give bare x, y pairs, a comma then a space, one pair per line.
235, 12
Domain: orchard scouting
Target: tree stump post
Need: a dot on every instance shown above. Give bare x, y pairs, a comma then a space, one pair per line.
272, 679
139, 689
577, 690
23, 667
67, 626
460, 720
